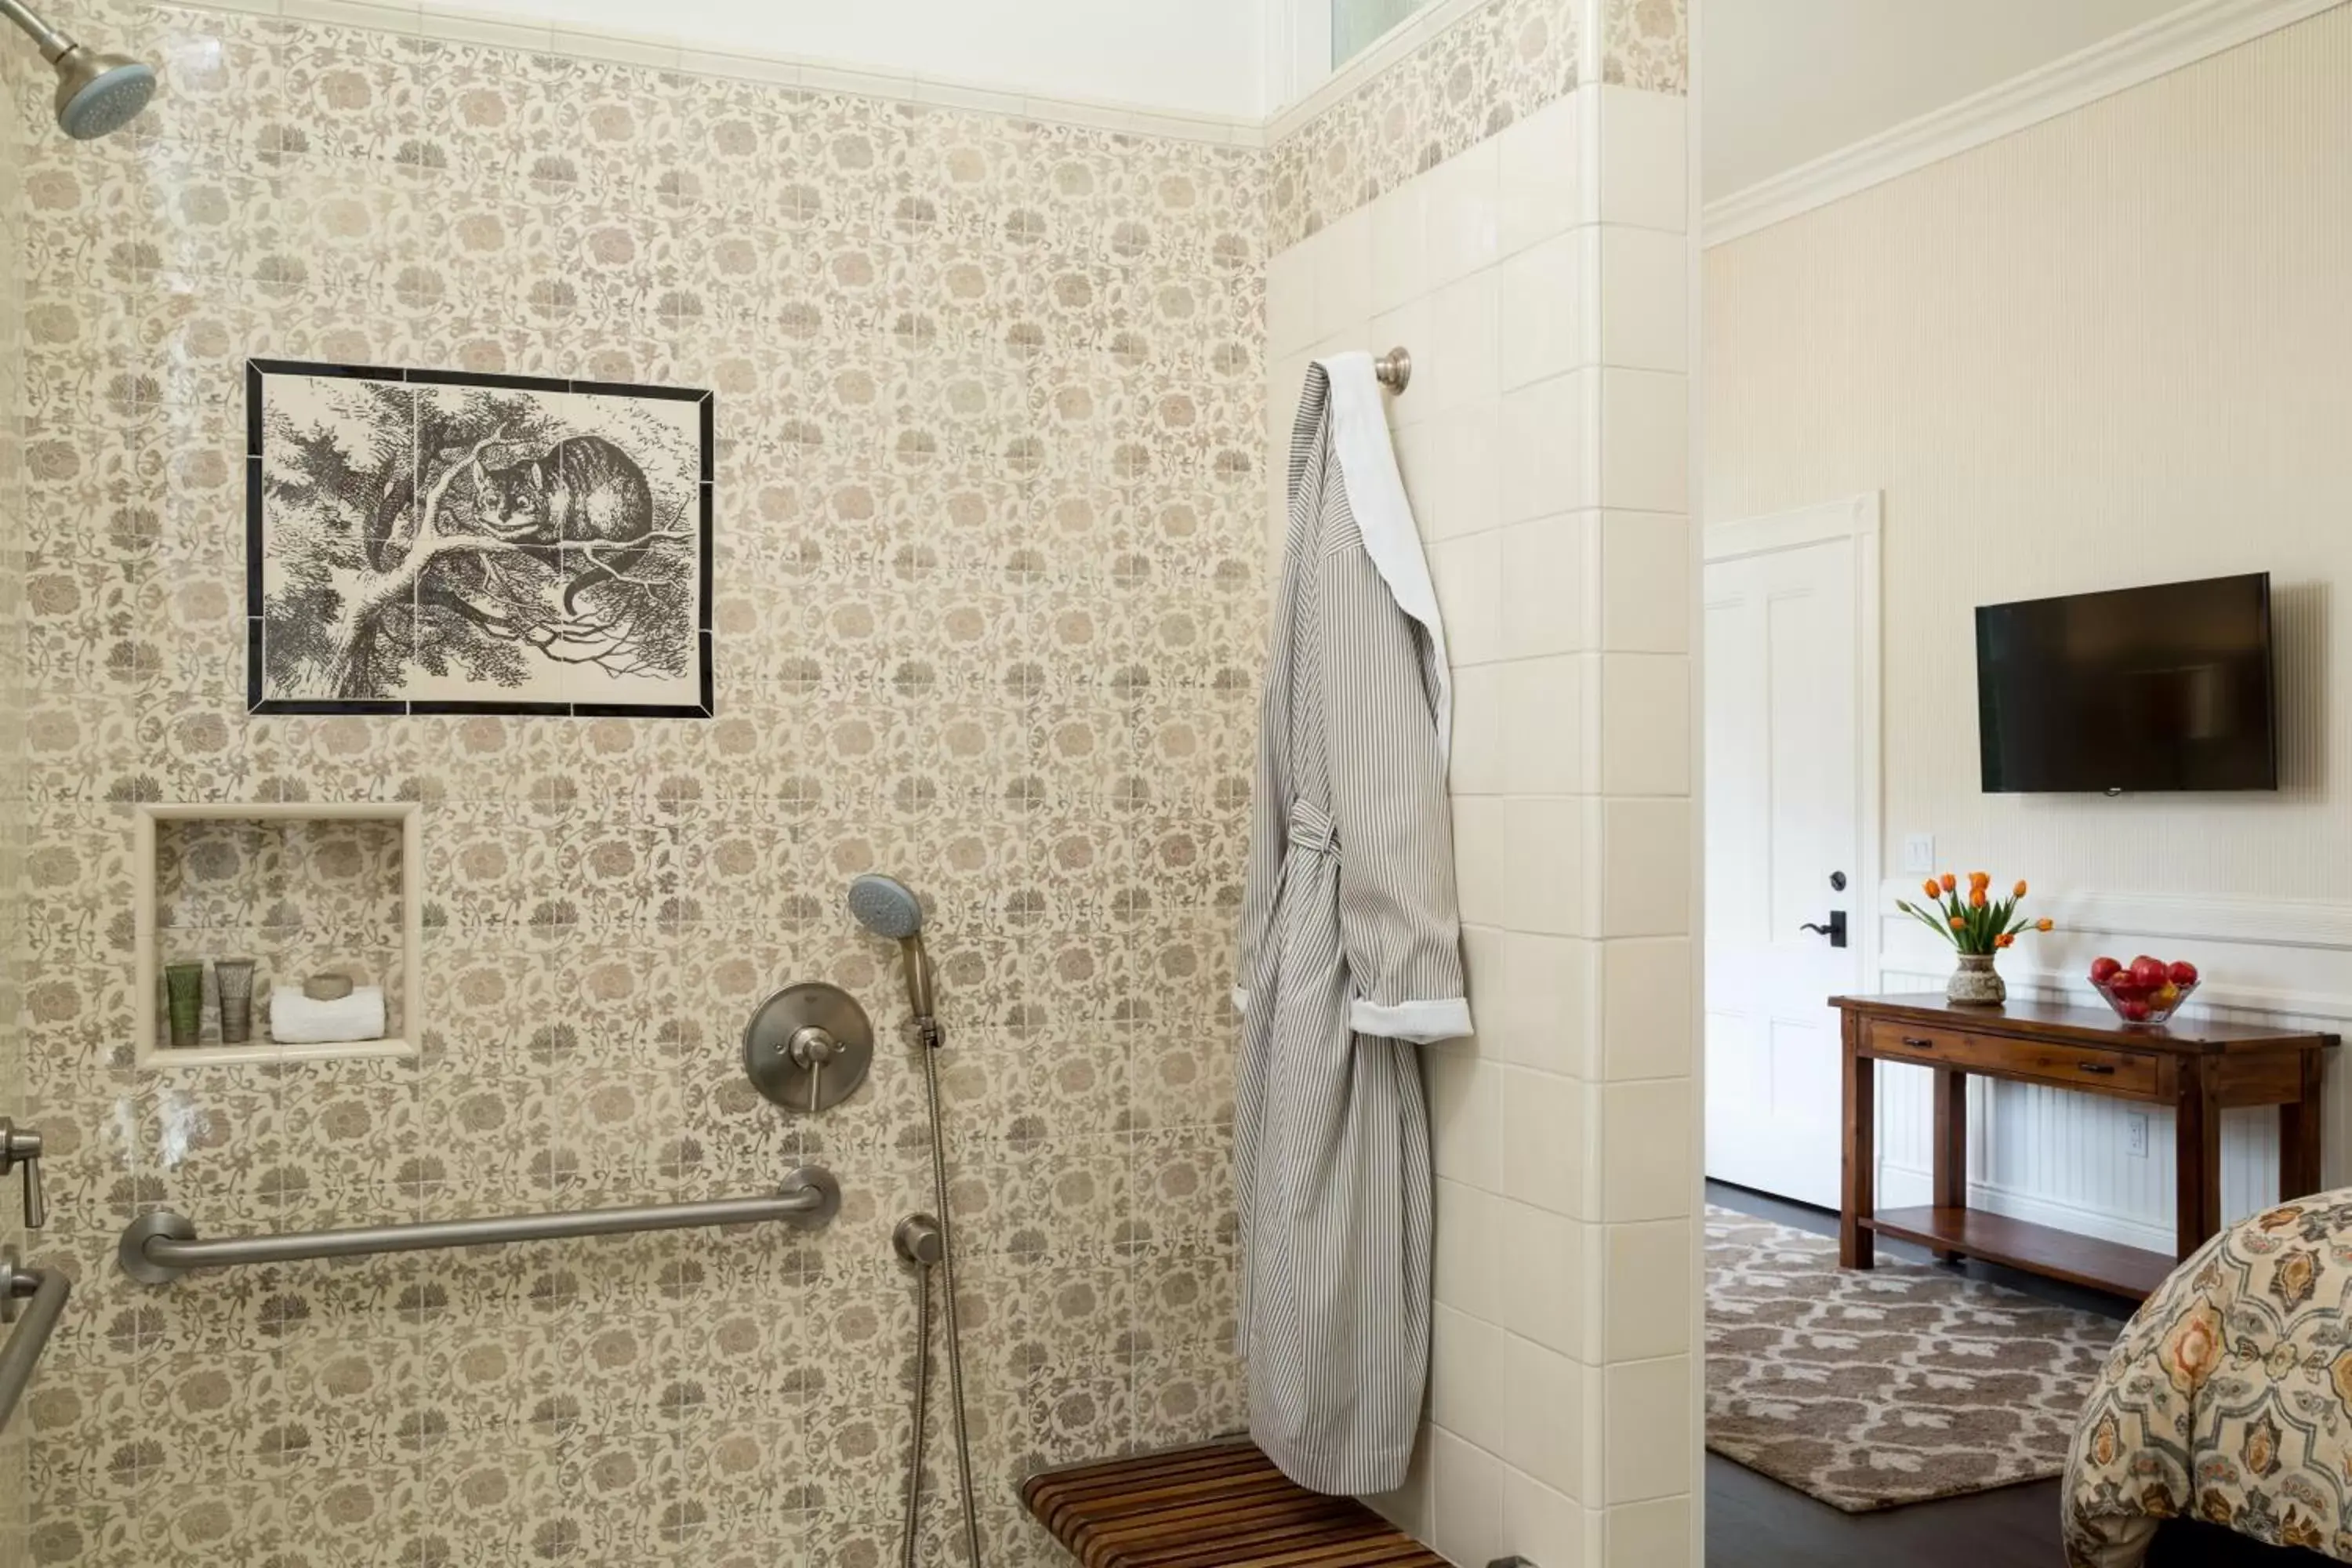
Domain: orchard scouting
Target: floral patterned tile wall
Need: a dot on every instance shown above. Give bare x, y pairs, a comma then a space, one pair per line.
988, 588
13, 85
1496, 66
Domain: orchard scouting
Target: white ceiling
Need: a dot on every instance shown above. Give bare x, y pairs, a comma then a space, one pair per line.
1785, 82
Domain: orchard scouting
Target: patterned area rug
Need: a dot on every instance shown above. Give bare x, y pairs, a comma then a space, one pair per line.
1898, 1386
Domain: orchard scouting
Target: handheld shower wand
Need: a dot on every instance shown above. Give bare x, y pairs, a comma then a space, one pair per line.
885, 906
97, 93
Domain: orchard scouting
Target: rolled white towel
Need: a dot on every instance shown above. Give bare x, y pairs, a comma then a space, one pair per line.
297, 1020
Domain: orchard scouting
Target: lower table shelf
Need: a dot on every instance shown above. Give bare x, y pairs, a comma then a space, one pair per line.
2037, 1248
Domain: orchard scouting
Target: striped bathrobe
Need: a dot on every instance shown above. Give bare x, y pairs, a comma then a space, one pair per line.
1351, 951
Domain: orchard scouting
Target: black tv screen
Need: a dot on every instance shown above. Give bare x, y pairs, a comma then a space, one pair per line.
2142, 689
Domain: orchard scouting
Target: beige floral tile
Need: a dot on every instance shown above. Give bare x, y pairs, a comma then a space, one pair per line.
1648, 45
990, 598
1496, 66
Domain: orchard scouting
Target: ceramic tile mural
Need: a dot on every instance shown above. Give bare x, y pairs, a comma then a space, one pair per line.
442, 541
988, 593
1496, 66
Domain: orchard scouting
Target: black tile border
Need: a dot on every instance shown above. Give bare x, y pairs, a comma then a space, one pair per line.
256, 371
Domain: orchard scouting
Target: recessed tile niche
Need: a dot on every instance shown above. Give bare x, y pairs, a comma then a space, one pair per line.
298, 888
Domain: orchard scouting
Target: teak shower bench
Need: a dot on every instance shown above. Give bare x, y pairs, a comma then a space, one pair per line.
1221, 1506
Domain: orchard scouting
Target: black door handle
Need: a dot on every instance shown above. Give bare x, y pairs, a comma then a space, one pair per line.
1834, 931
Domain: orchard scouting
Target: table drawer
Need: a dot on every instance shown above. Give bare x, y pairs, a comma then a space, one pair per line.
2072, 1067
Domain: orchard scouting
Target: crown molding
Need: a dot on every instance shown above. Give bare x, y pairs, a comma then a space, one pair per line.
2142, 54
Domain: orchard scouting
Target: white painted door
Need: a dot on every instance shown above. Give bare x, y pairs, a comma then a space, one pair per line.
1783, 851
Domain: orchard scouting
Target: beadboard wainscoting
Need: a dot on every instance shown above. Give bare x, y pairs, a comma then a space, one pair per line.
2064, 1158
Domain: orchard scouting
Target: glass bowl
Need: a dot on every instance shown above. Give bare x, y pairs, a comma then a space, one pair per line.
2134, 1006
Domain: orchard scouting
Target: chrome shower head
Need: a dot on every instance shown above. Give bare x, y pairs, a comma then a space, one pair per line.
97, 93
101, 94
885, 906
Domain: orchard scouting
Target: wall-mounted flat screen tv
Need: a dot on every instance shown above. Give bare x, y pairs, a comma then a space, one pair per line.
2166, 688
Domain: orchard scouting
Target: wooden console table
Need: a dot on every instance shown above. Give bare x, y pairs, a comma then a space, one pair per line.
2199, 1070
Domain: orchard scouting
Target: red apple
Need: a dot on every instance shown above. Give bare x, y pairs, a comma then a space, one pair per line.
2106, 969
2134, 1012
2124, 988
2184, 973
2147, 973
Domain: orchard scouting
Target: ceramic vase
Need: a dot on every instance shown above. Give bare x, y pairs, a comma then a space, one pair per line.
1975, 983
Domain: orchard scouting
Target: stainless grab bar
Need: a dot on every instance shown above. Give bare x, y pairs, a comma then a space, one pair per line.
159, 1247
47, 1289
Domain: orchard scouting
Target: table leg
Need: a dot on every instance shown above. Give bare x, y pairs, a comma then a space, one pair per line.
1857, 1200
1951, 1151
2299, 1123
2197, 1148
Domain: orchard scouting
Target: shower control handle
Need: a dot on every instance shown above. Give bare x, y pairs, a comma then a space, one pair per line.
22, 1146
808, 1046
812, 1046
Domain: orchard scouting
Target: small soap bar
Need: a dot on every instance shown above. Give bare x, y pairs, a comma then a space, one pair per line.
330, 986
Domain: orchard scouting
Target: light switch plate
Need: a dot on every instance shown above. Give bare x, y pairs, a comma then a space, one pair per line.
1920, 852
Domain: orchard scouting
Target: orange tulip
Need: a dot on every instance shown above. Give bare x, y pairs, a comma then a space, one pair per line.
1934, 890
1980, 880
2045, 925
2020, 890
1958, 923
1976, 897
1950, 882
2004, 939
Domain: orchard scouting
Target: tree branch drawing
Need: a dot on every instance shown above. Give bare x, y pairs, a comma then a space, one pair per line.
471, 533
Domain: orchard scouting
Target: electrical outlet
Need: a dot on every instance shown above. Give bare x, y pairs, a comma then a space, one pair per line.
2135, 1135
1920, 852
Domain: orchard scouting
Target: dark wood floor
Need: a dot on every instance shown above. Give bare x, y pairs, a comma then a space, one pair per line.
1753, 1522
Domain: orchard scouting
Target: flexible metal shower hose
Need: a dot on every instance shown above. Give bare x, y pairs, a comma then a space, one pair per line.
922, 1391
931, 1033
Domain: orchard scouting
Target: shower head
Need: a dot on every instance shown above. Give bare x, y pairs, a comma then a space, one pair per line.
97, 93
101, 94
885, 906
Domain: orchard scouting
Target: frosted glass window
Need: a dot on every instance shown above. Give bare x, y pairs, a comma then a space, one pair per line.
1357, 24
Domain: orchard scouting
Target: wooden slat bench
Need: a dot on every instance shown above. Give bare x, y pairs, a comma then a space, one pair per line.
1221, 1506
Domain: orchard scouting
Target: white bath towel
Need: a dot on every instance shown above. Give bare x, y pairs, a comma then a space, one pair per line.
297, 1020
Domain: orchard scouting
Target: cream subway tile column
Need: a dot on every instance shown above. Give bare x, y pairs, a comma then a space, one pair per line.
1539, 273
1641, 1477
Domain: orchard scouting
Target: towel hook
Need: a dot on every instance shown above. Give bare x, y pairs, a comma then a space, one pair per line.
1394, 369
